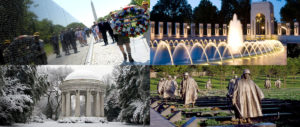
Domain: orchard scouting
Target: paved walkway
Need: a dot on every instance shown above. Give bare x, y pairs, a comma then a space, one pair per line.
156, 120
99, 54
73, 59
111, 54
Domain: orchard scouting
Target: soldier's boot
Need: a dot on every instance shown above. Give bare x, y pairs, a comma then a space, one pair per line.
130, 58
125, 57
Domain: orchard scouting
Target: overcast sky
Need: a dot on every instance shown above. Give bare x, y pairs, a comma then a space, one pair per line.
100, 70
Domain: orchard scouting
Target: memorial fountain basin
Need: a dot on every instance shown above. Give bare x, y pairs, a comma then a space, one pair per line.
205, 51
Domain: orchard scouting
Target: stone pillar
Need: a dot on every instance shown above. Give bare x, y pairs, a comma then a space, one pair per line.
77, 101
169, 29
68, 104
88, 103
216, 29
279, 29
98, 105
200, 30
193, 29
102, 105
296, 28
288, 29
161, 30
224, 29
185, 30
248, 30
152, 30
208, 30
63, 104
177, 31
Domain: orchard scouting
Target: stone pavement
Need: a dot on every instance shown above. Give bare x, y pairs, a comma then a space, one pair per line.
73, 59
156, 120
111, 54
98, 54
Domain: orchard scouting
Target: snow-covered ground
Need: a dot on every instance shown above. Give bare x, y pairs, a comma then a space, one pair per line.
56, 124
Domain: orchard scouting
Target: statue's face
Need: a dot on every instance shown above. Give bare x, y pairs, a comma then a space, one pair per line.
186, 76
247, 76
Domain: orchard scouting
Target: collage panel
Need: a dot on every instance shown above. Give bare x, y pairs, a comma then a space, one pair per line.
69, 95
187, 32
74, 63
55, 32
197, 95
224, 63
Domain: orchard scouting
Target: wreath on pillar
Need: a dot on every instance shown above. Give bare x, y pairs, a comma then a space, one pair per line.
131, 21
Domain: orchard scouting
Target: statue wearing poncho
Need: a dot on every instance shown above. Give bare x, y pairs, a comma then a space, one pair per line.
247, 97
189, 90
160, 87
169, 88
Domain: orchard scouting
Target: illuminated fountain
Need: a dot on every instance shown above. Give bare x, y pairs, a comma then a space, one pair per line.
194, 51
235, 35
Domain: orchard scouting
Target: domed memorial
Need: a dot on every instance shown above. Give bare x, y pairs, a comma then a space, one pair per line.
83, 83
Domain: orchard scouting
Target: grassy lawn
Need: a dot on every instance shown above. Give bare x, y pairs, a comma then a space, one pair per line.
49, 48
289, 92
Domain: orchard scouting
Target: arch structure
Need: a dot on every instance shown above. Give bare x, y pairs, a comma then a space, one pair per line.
266, 9
87, 84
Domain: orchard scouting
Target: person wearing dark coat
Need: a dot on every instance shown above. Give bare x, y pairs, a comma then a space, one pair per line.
55, 44
110, 31
73, 40
103, 30
64, 42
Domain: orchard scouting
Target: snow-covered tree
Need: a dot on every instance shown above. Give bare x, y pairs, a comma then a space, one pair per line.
55, 77
21, 87
132, 94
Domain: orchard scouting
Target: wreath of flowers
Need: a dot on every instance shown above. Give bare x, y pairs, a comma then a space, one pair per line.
131, 21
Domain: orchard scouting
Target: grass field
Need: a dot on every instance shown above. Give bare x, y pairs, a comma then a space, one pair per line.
48, 49
289, 92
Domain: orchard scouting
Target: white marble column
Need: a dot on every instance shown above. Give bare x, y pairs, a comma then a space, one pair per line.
185, 30
296, 28
98, 104
288, 29
77, 106
177, 27
193, 29
224, 29
216, 29
161, 30
102, 104
169, 29
68, 104
63, 104
200, 30
248, 29
88, 103
208, 30
152, 30
279, 29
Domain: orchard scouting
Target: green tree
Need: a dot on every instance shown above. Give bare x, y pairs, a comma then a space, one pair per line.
138, 2
290, 12
172, 11
75, 25
205, 12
